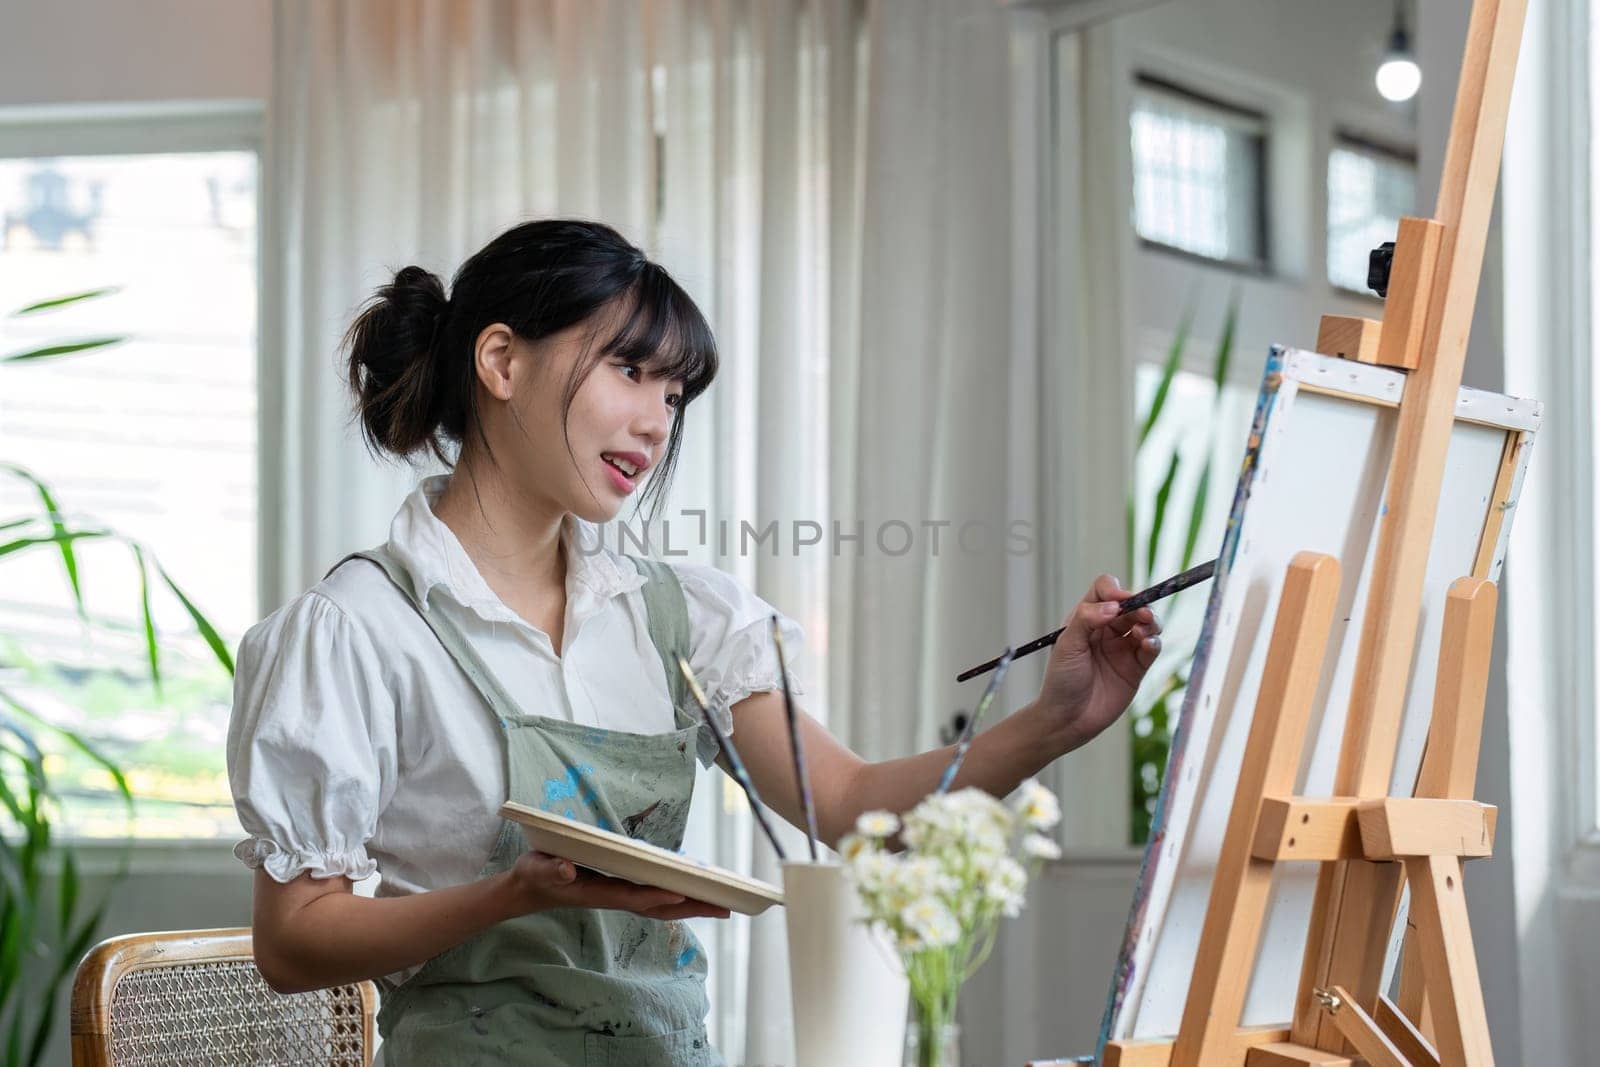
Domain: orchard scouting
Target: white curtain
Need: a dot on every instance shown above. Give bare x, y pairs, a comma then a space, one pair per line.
831, 180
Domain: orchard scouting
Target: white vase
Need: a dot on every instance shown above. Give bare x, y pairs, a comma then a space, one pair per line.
848, 988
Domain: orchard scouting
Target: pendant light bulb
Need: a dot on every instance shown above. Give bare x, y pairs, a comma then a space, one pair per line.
1399, 77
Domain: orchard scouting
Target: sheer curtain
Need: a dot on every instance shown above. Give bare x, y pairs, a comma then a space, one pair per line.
831, 180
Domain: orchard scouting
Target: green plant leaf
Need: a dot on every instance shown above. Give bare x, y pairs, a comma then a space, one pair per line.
13, 806
10, 862
219, 648
1197, 515
8, 547
55, 351
1169, 371
14, 1041
1131, 532
10, 870
67, 900
1219, 378
69, 559
71, 952
63, 301
151, 646
73, 738
16, 930
1224, 356
1163, 494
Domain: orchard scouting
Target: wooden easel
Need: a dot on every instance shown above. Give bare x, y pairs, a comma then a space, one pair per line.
1364, 838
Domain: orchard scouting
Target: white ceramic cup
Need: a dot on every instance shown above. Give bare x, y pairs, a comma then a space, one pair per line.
848, 988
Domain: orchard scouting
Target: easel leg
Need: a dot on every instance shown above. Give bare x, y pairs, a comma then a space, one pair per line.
1416, 1048
1449, 964
1239, 891
1361, 900
1449, 769
1363, 1031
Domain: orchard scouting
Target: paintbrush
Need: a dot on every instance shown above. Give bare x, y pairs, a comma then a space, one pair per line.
735, 764
1160, 591
802, 780
965, 741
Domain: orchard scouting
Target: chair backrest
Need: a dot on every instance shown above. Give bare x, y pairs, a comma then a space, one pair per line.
195, 997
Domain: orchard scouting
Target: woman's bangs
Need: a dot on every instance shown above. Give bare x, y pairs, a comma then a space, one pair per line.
665, 334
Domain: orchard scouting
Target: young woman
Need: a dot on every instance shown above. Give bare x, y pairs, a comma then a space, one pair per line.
489, 650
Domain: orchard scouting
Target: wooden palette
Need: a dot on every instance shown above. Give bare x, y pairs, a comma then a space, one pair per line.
636, 861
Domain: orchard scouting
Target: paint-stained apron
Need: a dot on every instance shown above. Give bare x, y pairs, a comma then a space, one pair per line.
575, 987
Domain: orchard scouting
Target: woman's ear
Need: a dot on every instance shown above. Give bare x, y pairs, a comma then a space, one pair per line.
492, 357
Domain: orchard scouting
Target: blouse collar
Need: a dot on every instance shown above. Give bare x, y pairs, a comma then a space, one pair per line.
434, 557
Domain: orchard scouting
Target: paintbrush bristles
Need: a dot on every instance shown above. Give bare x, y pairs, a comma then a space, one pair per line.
802, 778
735, 764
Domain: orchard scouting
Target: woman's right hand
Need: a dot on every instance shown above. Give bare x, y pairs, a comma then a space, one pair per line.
541, 881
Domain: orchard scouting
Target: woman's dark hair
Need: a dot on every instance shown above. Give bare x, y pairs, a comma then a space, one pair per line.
410, 350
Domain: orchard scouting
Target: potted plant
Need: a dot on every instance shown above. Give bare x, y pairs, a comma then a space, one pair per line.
42, 940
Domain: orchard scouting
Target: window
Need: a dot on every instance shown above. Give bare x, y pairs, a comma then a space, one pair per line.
154, 438
1199, 174
1185, 471
1370, 188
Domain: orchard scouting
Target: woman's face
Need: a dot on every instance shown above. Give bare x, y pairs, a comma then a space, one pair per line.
615, 431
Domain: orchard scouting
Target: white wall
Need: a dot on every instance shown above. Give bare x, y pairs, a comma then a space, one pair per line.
99, 51
1309, 65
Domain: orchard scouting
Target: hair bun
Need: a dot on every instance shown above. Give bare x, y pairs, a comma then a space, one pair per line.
417, 293
393, 366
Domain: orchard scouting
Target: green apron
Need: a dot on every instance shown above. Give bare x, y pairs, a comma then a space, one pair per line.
576, 987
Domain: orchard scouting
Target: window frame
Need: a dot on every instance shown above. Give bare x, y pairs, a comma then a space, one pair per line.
158, 128
1345, 136
1263, 263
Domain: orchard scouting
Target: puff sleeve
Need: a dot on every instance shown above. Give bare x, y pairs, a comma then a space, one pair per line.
731, 645
311, 742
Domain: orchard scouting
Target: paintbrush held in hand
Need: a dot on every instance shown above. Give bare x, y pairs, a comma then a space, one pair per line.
1160, 591
735, 764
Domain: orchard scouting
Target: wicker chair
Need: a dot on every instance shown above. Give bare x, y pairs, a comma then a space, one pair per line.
193, 997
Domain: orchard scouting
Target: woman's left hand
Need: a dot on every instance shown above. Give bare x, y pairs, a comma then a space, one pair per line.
1099, 660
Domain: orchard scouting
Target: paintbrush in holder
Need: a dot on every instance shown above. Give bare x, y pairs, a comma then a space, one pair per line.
965, 741
735, 764
802, 779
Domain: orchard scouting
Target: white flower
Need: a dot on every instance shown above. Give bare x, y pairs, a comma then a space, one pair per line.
1040, 847
1006, 885
853, 845
924, 876
874, 871
1037, 807
877, 823
931, 923
961, 870
969, 822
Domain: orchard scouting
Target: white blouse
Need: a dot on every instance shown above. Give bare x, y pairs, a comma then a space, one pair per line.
357, 745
